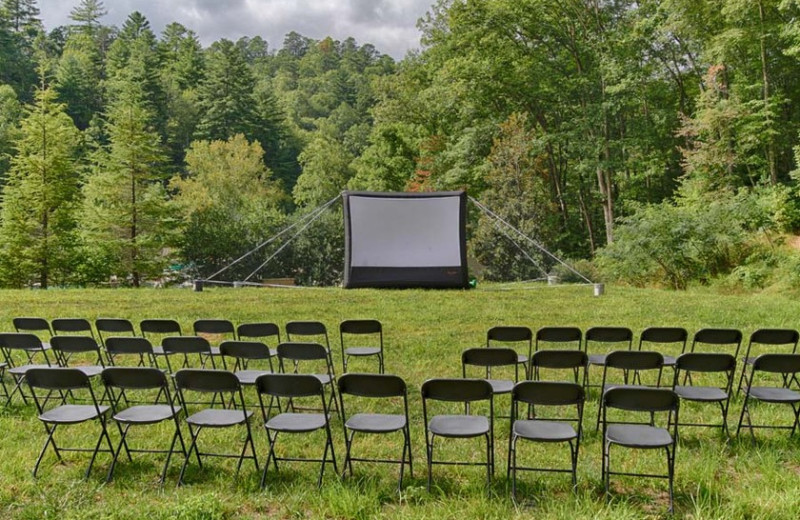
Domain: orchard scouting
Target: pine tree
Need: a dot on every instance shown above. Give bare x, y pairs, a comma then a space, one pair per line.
126, 217
38, 237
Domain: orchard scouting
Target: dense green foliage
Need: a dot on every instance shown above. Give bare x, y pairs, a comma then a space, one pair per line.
580, 122
425, 331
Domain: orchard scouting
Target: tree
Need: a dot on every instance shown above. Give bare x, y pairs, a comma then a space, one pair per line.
126, 220
326, 171
10, 115
228, 204
87, 15
22, 16
38, 237
78, 79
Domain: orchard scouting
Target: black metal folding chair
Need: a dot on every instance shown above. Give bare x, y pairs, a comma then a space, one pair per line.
772, 338
574, 361
549, 430
186, 346
265, 332
107, 327
243, 357
558, 338
213, 382
215, 331
294, 386
300, 353
30, 345
785, 365
369, 334
487, 359
72, 327
157, 329
117, 346
310, 331
66, 382
641, 436
65, 348
631, 364
38, 326
711, 377
375, 386
460, 426
119, 382
613, 338
666, 340
510, 336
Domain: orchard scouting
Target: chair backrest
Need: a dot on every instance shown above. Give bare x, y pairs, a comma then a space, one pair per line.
508, 334
559, 359
614, 335
214, 327
186, 345
635, 360
204, 380
74, 344
705, 362
718, 337
489, 357
773, 338
301, 351
71, 325
289, 385
306, 328
115, 325
30, 324
56, 378
664, 335
360, 327
134, 378
258, 330
548, 393
778, 363
457, 390
128, 345
244, 349
559, 335
21, 341
372, 385
639, 399
160, 326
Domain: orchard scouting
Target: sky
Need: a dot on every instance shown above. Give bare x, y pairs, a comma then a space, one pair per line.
390, 25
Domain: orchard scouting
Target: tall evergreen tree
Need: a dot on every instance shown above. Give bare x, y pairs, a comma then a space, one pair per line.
38, 237
126, 216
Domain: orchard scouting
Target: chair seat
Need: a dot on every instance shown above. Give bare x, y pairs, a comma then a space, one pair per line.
775, 395
546, 431
248, 377
701, 393
638, 436
158, 350
215, 418
325, 379
362, 351
90, 370
72, 413
273, 352
669, 361
296, 422
501, 386
597, 359
749, 360
376, 422
20, 370
459, 425
146, 414
522, 359
215, 351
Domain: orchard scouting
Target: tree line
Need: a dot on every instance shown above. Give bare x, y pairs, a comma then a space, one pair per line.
653, 142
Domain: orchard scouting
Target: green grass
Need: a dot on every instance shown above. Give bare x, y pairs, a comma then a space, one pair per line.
425, 332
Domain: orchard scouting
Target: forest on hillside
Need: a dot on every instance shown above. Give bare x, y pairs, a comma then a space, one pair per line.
652, 142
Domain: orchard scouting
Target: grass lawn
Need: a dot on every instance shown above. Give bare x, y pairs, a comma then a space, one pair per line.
425, 332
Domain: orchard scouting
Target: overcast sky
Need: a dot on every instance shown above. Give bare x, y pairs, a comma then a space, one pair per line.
390, 25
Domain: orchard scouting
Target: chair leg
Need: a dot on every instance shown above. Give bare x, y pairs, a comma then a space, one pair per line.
606, 469
123, 432
50, 440
270, 455
103, 434
176, 436
192, 447
512, 466
671, 469
429, 452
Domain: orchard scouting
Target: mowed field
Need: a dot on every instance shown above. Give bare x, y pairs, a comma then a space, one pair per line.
425, 332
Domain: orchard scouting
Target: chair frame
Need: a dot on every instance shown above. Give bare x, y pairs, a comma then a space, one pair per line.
465, 391
306, 328
260, 331
527, 392
31, 345
788, 366
375, 386
65, 381
214, 382
361, 328
506, 334
720, 363
627, 361
296, 352
605, 334
665, 336
771, 337
140, 378
634, 404
293, 386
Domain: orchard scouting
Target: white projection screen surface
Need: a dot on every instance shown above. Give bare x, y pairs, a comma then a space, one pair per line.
405, 240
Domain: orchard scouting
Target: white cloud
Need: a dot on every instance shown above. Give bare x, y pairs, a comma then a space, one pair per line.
390, 25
